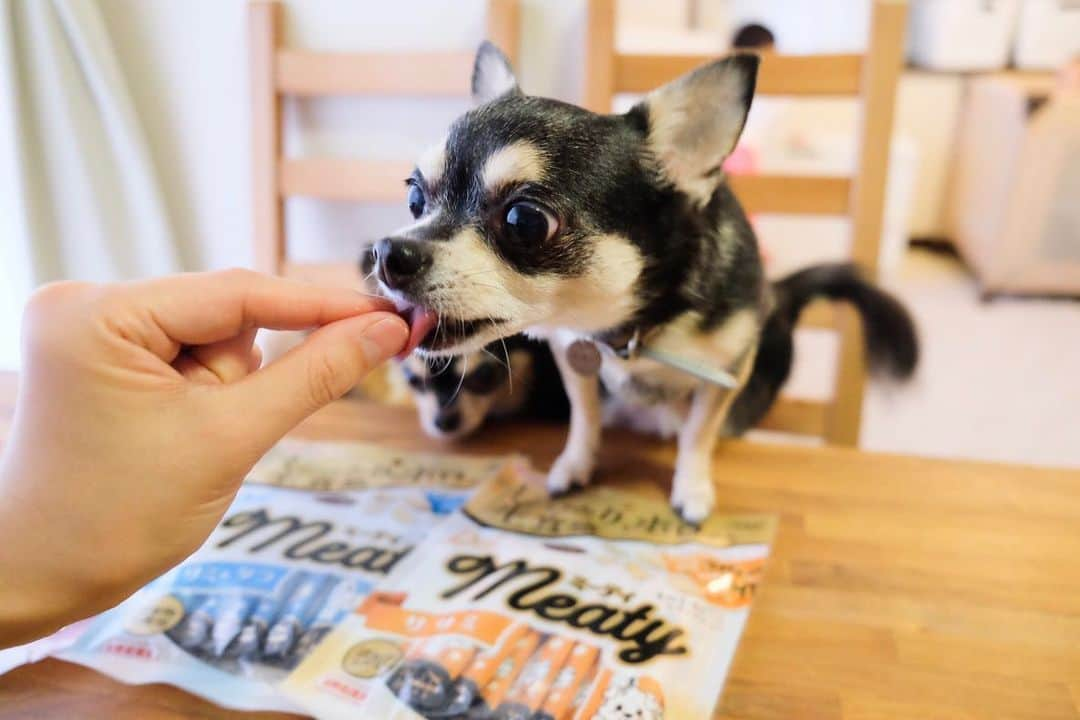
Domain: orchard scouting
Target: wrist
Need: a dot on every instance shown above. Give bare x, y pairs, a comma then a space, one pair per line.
29, 608
41, 589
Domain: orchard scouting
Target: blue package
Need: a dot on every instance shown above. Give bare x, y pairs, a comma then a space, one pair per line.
302, 607
249, 641
282, 568
444, 503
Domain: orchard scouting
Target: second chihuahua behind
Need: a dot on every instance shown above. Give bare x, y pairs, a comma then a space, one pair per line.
455, 396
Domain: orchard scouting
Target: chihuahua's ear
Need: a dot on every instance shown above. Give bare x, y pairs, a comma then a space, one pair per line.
492, 75
695, 121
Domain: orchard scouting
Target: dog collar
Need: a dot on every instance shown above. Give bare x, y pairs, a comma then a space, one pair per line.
625, 342
585, 358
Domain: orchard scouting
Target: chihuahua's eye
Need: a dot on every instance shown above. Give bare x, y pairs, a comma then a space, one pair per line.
530, 223
415, 381
416, 200
482, 380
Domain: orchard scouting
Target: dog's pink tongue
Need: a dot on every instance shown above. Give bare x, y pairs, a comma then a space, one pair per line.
421, 321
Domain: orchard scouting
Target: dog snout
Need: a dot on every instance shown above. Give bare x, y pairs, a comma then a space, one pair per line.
367, 261
448, 421
401, 262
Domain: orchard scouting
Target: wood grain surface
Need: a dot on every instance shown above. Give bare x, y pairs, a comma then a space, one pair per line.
899, 587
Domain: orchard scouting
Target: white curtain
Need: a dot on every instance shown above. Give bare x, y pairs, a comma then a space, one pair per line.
79, 195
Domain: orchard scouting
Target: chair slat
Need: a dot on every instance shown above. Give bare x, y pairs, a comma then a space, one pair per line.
799, 417
504, 27
328, 178
779, 74
380, 181
819, 315
264, 37
794, 194
301, 72
882, 72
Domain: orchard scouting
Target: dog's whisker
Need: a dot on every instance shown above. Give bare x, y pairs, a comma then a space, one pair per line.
485, 285
444, 368
461, 382
505, 364
438, 327
477, 272
509, 370
435, 338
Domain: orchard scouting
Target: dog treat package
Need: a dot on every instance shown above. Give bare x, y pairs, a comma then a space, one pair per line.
328, 466
11, 658
283, 568
601, 604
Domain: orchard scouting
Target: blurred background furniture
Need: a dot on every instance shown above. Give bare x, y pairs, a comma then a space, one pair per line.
1047, 34
278, 71
962, 35
872, 78
950, 43
985, 35
1015, 205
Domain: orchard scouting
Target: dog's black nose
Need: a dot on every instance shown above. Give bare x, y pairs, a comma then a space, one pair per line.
400, 261
448, 421
367, 261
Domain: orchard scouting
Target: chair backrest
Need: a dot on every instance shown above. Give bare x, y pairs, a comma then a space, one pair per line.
872, 79
277, 71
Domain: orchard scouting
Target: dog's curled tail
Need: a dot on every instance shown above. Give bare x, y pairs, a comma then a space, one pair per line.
892, 345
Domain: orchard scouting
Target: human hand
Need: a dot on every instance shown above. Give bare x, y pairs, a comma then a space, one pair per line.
140, 410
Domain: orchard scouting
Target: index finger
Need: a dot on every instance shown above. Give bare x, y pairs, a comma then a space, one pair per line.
203, 308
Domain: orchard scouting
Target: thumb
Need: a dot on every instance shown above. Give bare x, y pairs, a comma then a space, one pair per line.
329, 363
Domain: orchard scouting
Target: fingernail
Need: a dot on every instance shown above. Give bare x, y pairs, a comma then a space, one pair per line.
385, 339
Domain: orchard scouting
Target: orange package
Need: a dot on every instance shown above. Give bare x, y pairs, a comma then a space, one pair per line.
567, 690
639, 620
536, 680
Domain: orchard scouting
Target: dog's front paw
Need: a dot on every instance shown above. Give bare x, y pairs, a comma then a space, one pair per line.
569, 471
692, 493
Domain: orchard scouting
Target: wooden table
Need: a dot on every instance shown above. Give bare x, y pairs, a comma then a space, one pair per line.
899, 587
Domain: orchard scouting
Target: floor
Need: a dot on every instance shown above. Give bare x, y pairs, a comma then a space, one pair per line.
998, 381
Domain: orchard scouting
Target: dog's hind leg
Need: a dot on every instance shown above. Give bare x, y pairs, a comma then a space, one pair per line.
692, 492
574, 466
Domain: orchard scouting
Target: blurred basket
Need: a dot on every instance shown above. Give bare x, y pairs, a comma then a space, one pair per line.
961, 35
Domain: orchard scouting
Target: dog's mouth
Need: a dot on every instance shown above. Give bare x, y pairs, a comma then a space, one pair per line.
423, 322
431, 332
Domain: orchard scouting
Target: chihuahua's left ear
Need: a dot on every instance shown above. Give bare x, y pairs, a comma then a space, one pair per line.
695, 121
492, 74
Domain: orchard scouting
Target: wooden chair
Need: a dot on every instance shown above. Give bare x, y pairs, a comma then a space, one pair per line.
277, 71
872, 78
